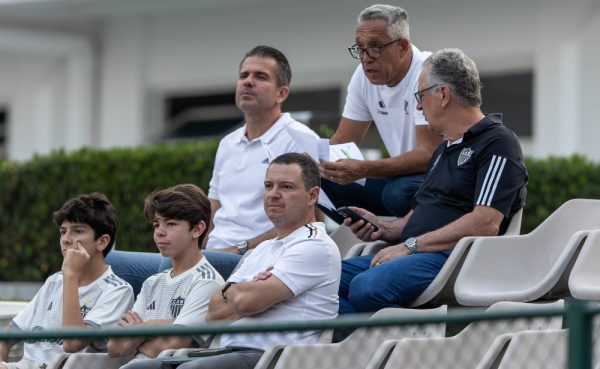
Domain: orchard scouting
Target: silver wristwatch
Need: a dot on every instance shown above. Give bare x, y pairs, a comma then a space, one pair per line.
411, 244
242, 247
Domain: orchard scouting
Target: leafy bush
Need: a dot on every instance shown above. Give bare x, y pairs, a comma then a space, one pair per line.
553, 181
32, 190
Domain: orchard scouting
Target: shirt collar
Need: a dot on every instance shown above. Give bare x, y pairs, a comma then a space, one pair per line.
484, 124
268, 136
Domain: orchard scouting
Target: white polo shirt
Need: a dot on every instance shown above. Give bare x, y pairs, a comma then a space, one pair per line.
393, 109
238, 181
308, 262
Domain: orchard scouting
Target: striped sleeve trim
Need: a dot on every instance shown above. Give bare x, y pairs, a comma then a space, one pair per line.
490, 183
313, 230
206, 272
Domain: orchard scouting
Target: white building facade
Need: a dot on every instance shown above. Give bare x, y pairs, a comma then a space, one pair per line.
96, 73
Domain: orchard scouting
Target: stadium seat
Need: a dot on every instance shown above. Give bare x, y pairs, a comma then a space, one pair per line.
88, 360
528, 267
356, 348
536, 350
584, 280
345, 240
441, 289
493, 355
464, 350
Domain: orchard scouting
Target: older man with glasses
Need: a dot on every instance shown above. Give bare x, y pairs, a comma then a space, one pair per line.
474, 185
381, 91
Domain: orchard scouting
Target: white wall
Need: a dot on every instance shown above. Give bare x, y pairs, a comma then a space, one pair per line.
47, 81
141, 58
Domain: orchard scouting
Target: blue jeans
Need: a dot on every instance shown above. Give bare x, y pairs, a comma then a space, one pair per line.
390, 196
135, 267
392, 284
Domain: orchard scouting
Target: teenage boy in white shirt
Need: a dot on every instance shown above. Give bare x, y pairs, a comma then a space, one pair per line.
86, 293
180, 216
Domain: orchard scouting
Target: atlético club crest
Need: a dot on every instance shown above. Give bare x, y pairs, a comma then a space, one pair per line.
465, 155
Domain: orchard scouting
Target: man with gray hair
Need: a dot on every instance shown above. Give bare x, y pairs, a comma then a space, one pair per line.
381, 91
475, 183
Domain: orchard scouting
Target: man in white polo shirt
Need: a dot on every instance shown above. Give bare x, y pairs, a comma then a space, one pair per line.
294, 276
236, 188
238, 220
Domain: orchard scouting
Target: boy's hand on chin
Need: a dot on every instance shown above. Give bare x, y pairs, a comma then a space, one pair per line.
75, 260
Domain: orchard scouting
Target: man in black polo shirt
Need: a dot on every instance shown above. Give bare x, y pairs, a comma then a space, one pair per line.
475, 183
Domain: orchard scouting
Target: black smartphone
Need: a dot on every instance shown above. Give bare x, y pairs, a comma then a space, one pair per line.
349, 213
215, 351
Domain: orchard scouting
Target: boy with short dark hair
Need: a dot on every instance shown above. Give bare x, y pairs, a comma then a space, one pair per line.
180, 216
86, 293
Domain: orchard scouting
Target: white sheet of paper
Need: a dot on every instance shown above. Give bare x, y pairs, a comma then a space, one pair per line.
325, 201
347, 151
323, 148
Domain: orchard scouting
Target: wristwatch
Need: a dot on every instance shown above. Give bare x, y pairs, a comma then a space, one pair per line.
242, 247
225, 288
411, 244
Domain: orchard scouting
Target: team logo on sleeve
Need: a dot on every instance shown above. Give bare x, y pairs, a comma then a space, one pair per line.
465, 155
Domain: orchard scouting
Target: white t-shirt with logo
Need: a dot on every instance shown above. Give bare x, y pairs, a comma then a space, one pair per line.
183, 298
393, 109
308, 262
238, 180
102, 303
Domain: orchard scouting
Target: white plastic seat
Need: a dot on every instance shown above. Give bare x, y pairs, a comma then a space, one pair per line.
584, 280
349, 245
346, 240
358, 347
491, 358
441, 290
528, 267
536, 350
464, 350
88, 360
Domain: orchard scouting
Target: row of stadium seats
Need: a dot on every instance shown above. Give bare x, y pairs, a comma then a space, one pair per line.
558, 259
555, 260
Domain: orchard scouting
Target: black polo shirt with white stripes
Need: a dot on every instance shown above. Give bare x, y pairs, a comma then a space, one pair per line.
486, 168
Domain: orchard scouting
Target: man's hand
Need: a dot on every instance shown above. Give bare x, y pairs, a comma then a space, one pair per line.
130, 319
75, 260
263, 275
343, 171
230, 249
389, 253
362, 230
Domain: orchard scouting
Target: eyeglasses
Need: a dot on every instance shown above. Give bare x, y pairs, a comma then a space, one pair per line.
373, 51
419, 94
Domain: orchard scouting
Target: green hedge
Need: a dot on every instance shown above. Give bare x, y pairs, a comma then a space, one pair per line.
553, 181
32, 190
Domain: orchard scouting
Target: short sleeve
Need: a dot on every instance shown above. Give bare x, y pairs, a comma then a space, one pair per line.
500, 175
24, 318
111, 305
305, 265
213, 186
356, 107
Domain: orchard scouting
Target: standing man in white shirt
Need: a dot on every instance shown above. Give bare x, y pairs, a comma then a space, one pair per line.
238, 220
381, 91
